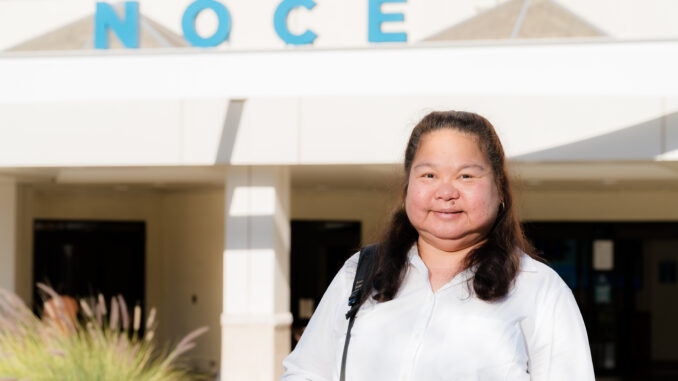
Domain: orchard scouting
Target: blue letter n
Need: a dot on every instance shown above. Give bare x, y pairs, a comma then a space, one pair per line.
127, 31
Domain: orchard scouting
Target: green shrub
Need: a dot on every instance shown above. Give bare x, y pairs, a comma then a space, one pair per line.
101, 345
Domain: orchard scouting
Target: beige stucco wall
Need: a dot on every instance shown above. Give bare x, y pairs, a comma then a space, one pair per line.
370, 207
611, 205
185, 234
93, 204
8, 234
184, 245
24, 258
624, 205
192, 249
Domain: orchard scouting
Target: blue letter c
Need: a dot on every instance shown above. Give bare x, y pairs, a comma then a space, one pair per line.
280, 22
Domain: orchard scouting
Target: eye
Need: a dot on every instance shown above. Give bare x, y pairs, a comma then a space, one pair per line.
466, 176
428, 175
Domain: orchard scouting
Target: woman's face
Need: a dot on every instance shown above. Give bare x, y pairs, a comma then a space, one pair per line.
452, 199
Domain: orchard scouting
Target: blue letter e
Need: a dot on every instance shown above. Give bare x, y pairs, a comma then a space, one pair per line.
376, 18
280, 22
127, 31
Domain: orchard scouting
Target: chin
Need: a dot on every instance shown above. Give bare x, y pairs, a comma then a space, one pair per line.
448, 243
452, 241
448, 236
455, 248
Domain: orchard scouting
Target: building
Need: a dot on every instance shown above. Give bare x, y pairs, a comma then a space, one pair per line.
191, 170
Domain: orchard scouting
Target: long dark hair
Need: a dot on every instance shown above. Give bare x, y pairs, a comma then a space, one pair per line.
497, 259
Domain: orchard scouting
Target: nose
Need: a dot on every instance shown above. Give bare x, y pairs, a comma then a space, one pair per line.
447, 192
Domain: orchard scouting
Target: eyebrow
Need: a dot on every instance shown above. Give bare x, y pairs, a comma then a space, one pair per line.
462, 167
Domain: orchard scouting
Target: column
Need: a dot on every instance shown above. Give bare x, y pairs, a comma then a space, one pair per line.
256, 319
8, 234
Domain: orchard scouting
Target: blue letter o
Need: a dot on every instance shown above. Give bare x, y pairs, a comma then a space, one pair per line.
188, 23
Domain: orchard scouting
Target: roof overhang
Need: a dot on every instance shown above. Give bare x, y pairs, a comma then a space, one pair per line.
625, 68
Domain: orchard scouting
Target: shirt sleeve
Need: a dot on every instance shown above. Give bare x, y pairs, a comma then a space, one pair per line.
315, 356
560, 347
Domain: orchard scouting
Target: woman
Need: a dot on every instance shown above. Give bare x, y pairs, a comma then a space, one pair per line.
455, 293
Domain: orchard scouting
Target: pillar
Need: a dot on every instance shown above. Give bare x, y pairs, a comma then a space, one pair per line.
256, 316
8, 234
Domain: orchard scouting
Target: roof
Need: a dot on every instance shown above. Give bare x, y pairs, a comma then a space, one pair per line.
80, 35
520, 19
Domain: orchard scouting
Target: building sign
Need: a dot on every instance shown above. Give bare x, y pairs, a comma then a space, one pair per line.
126, 28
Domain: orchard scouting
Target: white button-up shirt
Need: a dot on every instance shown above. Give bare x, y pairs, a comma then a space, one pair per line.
535, 333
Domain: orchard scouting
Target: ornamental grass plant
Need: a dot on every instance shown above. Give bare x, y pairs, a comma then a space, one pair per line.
102, 344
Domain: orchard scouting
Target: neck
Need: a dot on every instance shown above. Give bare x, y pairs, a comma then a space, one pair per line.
442, 265
438, 258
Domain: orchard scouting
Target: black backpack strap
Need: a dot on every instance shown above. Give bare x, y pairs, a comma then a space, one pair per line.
365, 263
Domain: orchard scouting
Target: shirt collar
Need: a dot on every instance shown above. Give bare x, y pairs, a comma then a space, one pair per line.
527, 263
415, 260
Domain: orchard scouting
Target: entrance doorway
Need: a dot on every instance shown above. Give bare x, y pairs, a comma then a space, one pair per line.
318, 250
85, 258
630, 303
